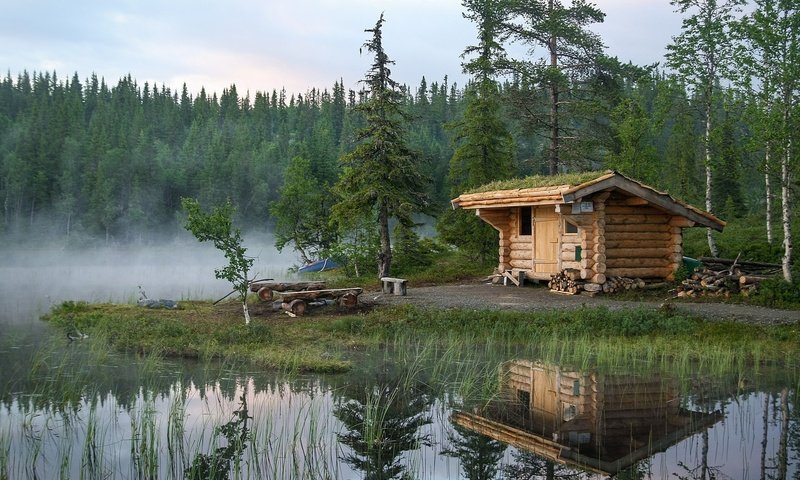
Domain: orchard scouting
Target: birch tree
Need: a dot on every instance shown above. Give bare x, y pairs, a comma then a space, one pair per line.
702, 55
772, 35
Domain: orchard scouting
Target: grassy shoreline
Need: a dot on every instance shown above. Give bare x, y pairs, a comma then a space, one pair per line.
326, 340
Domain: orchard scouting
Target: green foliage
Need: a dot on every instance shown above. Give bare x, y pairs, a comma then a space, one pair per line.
777, 293
217, 227
745, 236
637, 155
217, 466
412, 253
469, 233
301, 213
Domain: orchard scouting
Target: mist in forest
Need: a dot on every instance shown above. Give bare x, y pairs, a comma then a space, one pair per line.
33, 278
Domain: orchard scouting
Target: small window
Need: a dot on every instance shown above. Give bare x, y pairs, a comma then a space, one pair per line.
525, 221
570, 227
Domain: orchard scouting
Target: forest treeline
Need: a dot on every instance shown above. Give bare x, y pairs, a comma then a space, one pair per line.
88, 161
83, 157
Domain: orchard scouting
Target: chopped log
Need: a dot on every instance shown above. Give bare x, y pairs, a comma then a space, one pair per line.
566, 281
752, 279
592, 287
265, 294
599, 278
348, 300
572, 274
296, 307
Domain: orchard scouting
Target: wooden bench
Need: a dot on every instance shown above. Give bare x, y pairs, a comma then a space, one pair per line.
265, 289
296, 302
393, 285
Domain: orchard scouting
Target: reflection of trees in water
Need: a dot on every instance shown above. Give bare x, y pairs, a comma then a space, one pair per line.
529, 466
382, 417
478, 454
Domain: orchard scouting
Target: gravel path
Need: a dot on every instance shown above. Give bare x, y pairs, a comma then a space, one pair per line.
479, 296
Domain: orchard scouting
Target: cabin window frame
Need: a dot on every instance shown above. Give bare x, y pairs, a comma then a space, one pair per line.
525, 228
566, 229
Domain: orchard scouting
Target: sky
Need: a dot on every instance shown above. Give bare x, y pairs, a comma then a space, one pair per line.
261, 45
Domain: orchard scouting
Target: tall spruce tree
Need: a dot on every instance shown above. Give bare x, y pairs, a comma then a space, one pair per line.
381, 176
702, 54
483, 145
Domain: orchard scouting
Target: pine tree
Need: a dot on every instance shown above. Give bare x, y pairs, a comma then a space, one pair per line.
380, 177
572, 51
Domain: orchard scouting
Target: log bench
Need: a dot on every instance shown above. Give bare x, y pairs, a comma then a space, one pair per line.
394, 285
296, 302
265, 289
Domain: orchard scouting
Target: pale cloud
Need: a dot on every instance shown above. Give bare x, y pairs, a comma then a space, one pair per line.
270, 44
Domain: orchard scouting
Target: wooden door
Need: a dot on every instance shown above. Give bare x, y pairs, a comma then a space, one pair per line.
545, 239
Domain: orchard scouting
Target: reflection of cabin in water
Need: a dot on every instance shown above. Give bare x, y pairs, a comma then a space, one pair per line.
601, 423
601, 223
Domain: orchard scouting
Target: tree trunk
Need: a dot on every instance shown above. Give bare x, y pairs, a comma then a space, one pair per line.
783, 443
712, 242
246, 313
385, 255
765, 437
786, 214
553, 159
769, 194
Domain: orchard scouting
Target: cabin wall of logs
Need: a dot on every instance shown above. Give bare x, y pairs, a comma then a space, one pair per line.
622, 236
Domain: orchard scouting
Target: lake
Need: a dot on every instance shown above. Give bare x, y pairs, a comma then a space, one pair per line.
72, 409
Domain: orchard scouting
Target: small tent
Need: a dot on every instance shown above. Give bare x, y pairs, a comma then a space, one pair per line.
600, 223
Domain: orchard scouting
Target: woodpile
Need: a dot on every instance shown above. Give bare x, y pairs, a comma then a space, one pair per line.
621, 284
723, 277
569, 281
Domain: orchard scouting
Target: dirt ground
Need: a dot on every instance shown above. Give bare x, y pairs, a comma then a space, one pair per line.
481, 296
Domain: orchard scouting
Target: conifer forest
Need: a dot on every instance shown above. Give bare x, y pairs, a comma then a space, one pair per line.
88, 160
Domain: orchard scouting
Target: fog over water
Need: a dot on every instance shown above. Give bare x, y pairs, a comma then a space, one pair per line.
34, 278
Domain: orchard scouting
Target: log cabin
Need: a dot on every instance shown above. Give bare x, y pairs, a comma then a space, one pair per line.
598, 422
599, 223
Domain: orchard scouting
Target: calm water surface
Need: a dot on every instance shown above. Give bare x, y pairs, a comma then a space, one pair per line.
74, 410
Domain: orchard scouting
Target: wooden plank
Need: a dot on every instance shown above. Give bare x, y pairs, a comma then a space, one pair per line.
287, 286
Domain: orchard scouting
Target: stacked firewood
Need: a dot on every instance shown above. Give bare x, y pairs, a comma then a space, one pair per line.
620, 284
567, 281
723, 277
